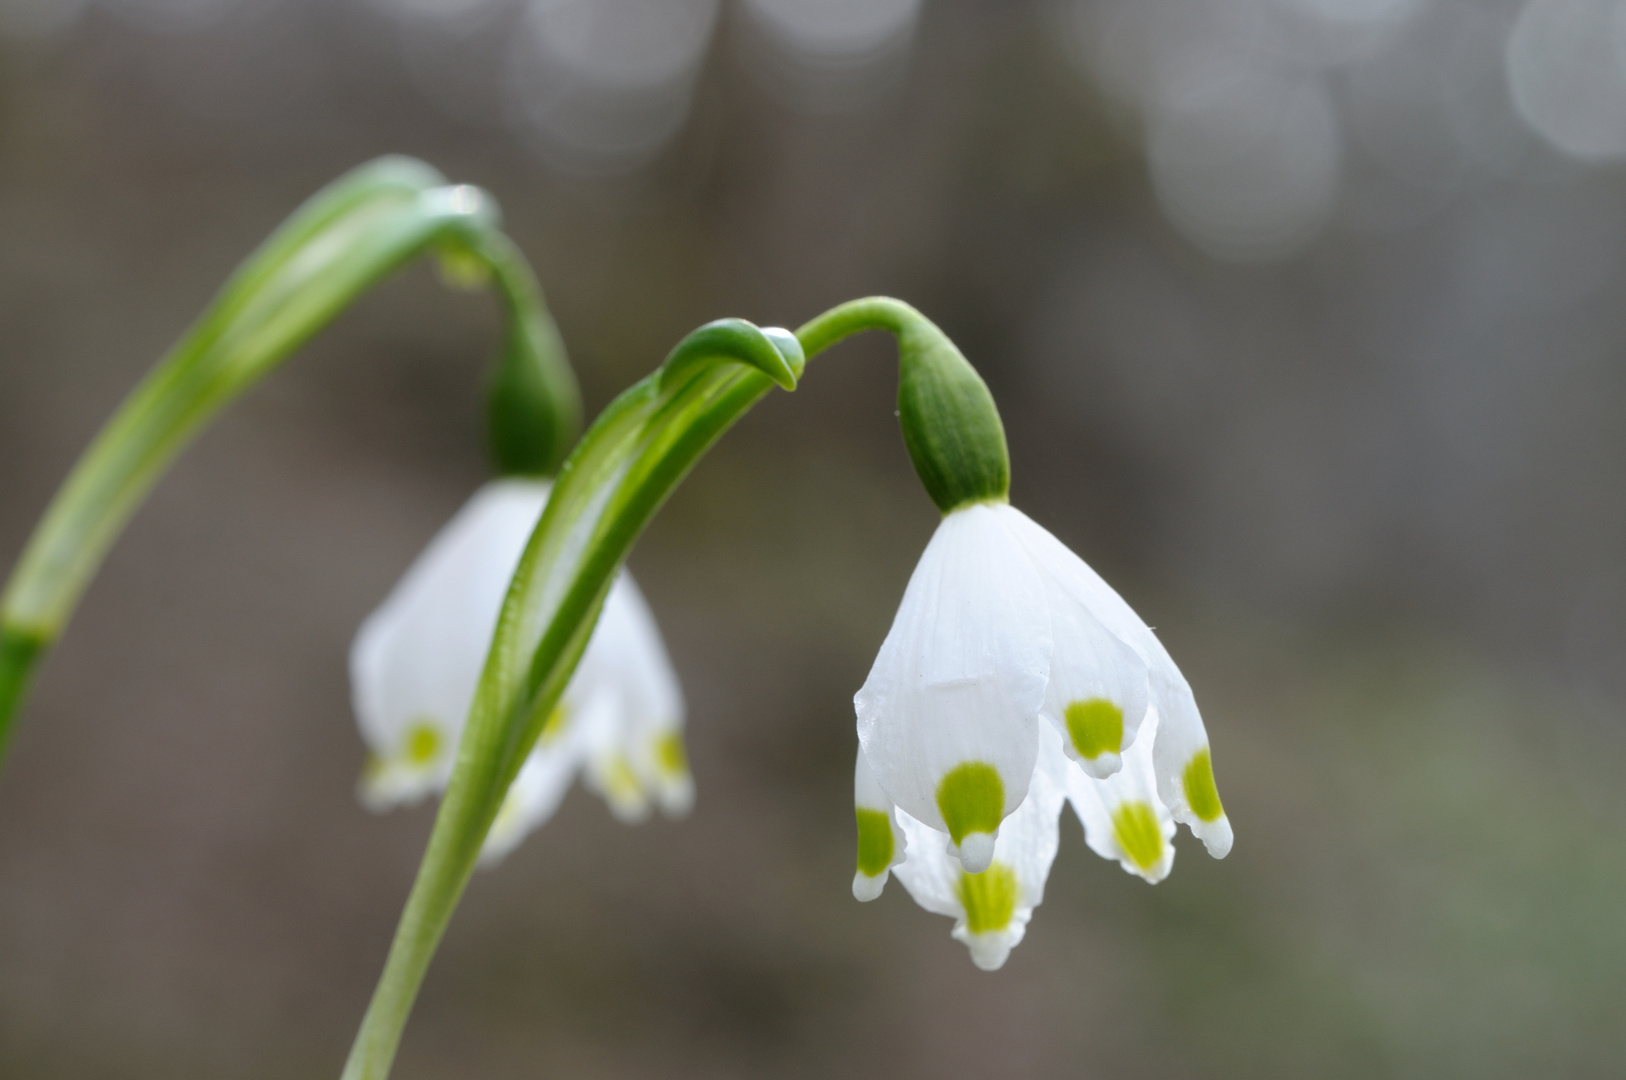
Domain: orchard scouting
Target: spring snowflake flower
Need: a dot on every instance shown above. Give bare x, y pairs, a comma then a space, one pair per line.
1013, 680
417, 659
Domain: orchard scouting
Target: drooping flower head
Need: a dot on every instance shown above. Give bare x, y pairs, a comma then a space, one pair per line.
1014, 679
417, 659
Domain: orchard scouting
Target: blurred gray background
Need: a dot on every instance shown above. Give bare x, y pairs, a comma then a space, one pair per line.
1307, 319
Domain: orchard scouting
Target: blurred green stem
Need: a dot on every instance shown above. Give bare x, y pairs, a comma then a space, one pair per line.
344, 240
18, 652
620, 473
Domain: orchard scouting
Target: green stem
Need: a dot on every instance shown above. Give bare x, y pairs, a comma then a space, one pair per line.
856, 316
641, 447
535, 409
19, 653
950, 424
345, 240
620, 473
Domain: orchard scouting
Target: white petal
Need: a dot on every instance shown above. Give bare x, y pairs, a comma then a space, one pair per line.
991, 909
417, 658
881, 843
1185, 768
608, 771
534, 795
1122, 815
632, 706
960, 678
1180, 758
1097, 695
627, 651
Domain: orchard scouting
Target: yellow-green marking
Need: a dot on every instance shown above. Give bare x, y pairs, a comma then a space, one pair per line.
989, 898
423, 743
1135, 826
1201, 794
874, 841
670, 756
558, 720
1096, 726
620, 782
971, 798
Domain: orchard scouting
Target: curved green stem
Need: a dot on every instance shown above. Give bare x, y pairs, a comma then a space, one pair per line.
854, 317
535, 410
626, 465
344, 240
617, 477
950, 425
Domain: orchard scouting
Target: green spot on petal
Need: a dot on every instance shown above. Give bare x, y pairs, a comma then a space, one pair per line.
1096, 726
874, 841
670, 755
1139, 837
971, 799
620, 782
989, 898
558, 720
423, 743
1201, 794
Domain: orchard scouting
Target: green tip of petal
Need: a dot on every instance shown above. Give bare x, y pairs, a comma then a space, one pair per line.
874, 841
615, 779
1201, 794
620, 782
971, 798
670, 756
423, 743
989, 898
1096, 726
1134, 825
558, 720
507, 818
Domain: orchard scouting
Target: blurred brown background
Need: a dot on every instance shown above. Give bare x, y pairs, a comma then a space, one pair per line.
1307, 320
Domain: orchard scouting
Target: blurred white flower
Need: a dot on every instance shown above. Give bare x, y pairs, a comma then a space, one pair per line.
417, 659
1014, 679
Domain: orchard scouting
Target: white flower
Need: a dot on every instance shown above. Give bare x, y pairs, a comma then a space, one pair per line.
417, 659
991, 908
1014, 679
